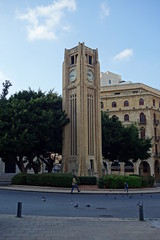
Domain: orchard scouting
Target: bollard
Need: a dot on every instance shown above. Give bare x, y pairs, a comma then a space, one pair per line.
141, 217
19, 209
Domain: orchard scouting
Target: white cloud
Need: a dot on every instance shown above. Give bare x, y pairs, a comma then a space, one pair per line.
105, 10
44, 21
124, 55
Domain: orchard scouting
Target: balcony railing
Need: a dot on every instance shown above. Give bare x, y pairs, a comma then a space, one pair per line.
155, 122
156, 138
156, 154
142, 121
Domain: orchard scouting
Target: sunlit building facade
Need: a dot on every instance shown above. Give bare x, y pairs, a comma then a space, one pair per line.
134, 103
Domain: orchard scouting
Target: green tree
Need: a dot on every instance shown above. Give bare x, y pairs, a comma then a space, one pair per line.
31, 125
122, 143
6, 85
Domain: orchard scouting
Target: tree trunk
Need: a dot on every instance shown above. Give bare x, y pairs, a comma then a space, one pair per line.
20, 164
48, 161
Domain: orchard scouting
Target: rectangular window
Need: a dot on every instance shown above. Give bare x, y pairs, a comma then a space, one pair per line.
91, 164
76, 58
156, 150
90, 60
72, 60
153, 102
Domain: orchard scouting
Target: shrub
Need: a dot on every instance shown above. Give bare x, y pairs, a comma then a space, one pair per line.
19, 179
87, 180
46, 179
117, 182
65, 180
147, 181
134, 181
110, 181
61, 180
101, 182
33, 179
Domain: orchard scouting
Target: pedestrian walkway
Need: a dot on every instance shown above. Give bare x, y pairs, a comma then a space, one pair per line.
84, 189
67, 228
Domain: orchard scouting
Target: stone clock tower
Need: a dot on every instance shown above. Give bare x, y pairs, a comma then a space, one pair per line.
82, 154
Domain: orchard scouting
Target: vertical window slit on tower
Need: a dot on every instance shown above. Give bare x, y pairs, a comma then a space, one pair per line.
90, 125
73, 117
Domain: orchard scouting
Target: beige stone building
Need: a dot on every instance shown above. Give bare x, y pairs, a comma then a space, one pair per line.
139, 104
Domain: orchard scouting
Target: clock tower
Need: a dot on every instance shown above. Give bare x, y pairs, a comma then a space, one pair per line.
82, 147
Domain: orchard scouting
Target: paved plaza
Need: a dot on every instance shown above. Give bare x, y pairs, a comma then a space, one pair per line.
71, 228
46, 228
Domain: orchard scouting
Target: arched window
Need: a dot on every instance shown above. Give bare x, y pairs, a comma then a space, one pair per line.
126, 103
142, 132
128, 167
144, 168
141, 101
114, 104
114, 117
126, 117
142, 118
115, 166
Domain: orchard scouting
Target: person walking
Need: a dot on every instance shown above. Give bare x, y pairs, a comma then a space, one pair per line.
126, 187
74, 184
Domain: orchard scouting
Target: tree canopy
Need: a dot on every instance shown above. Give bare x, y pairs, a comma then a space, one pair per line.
31, 124
6, 85
122, 142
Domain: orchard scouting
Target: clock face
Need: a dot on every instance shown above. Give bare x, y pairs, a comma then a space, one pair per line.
72, 75
90, 75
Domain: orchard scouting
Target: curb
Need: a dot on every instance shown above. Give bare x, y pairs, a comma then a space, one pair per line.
84, 190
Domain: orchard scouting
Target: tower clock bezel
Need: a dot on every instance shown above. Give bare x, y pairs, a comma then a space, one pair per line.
90, 75
72, 75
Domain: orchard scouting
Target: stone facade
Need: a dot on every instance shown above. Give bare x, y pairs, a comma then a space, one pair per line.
138, 104
81, 101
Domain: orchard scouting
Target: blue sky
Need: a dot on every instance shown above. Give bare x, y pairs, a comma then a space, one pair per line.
34, 34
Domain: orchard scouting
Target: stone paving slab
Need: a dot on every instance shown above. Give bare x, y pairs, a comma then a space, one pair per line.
68, 228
